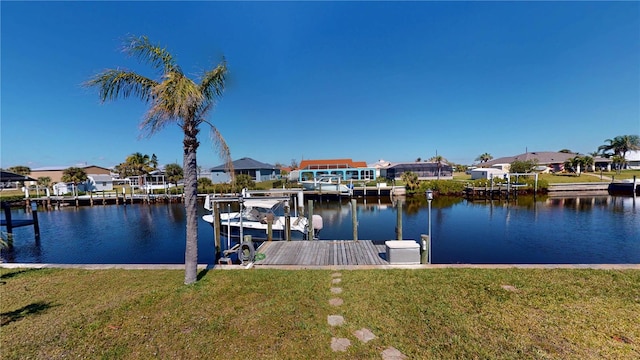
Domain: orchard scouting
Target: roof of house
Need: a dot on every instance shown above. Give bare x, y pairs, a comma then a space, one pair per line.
246, 164
543, 157
62, 168
9, 176
421, 163
332, 164
100, 177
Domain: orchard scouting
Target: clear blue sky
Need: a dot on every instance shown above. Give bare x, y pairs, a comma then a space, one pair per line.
318, 80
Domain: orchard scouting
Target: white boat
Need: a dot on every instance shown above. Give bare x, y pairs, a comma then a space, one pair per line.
327, 183
253, 219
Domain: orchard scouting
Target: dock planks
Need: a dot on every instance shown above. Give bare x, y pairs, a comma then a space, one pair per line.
322, 253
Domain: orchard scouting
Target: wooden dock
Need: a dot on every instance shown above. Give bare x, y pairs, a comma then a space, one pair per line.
322, 253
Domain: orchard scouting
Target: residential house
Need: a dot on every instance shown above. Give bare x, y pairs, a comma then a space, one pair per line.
257, 170
56, 172
553, 161
424, 170
347, 169
98, 183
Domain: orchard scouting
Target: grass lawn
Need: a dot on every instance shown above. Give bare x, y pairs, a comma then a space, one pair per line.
278, 314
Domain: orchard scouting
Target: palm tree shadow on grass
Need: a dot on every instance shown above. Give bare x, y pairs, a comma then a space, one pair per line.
31, 309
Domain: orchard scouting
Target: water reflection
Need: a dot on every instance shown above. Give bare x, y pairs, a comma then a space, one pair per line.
584, 229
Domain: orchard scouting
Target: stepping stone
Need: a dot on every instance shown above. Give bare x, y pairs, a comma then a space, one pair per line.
509, 288
336, 302
335, 290
364, 335
336, 281
335, 320
392, 353
336, 274
340, 344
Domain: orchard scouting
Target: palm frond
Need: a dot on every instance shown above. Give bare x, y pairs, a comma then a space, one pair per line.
115, 83
221, 148
213, 81
158, 57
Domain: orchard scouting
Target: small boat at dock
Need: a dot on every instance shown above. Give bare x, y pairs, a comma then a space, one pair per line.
328, 184
256, 215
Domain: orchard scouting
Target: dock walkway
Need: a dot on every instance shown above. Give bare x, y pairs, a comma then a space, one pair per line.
322, 253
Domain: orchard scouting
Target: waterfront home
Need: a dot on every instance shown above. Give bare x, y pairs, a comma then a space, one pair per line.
346, 169
554, 161
424, 170
487, 173
56, 172
98, 183
258, 171
633, 159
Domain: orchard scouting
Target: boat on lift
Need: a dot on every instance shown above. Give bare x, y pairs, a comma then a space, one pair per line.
327, 184
254, 214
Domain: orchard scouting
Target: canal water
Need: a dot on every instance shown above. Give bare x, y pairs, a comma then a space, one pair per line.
549, 230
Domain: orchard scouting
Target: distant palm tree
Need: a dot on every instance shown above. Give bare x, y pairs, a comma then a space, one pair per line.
174, 99
76, 176
410, 180
174, 173
619, 146
483, 158
20, 170
438, 159
587, 162
139, 164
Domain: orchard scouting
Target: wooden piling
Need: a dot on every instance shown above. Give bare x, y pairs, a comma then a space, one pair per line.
216, 228
310, 221
399, 220
354, 219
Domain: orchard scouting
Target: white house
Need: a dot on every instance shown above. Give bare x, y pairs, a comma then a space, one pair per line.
98, 182
487, 173
633, 159
62, 188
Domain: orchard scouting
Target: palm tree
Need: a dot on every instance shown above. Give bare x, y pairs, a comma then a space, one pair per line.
439, 159
620, 145
20, 170
410, 179
174, 173
173, 98
484, 157
76, 176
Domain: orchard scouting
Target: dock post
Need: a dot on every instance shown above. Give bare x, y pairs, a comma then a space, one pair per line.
287, 223
310, 221
399, 221
7, 215
269, 227
216, 229
424, 249
354, 219
36, 226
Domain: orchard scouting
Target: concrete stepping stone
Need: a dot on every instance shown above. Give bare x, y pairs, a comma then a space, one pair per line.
392, 353
336, 274
336, 302
364, 335
335, 320
336, 290
340, 344
509, 288
336, 281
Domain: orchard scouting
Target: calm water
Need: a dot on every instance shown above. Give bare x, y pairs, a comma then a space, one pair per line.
579, 230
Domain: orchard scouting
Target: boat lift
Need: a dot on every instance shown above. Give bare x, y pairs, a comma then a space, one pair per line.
245, 249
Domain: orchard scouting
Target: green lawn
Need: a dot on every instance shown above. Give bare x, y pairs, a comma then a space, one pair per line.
278, 314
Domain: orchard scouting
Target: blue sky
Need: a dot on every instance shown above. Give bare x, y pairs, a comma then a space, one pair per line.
319, 80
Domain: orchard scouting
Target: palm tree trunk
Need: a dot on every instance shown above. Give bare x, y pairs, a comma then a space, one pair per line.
191, 206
